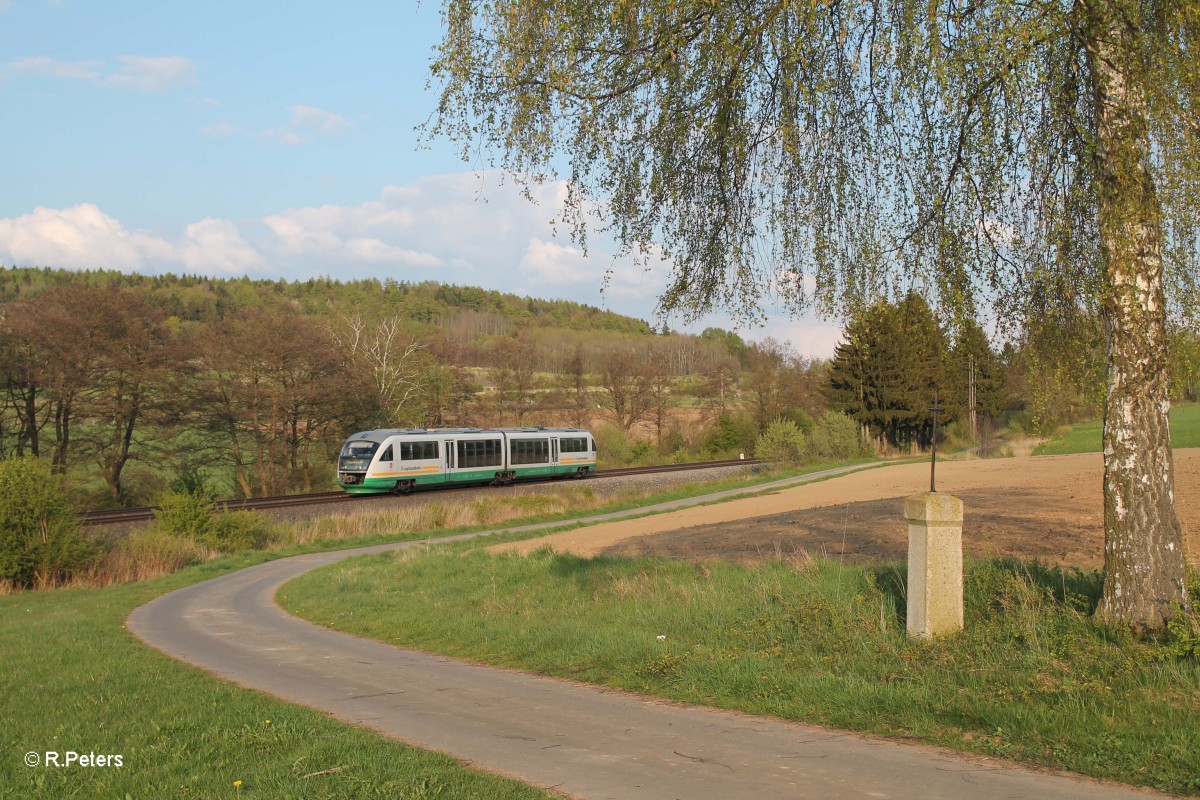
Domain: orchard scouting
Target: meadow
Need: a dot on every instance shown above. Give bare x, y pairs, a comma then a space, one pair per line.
1032, 678
1085, 437
75, 680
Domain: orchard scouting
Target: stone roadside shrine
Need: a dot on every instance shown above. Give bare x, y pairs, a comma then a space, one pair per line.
935, 564
935, 560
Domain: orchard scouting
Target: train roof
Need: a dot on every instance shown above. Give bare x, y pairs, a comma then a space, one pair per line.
380, 434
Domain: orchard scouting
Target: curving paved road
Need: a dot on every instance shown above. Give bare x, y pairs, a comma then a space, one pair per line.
578, 740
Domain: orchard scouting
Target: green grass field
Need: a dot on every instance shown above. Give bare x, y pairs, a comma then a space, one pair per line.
1031, 678
75, 680
1086, 436
801, 642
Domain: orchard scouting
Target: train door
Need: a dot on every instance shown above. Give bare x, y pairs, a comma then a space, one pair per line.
553, 450
448, 466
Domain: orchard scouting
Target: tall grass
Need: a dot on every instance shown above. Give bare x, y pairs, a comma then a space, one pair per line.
1031, 677
158, 550
444, 515
142, 555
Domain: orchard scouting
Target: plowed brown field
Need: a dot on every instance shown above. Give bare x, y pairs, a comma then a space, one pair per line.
1041, 507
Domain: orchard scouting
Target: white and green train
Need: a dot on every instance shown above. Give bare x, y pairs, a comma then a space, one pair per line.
400, 460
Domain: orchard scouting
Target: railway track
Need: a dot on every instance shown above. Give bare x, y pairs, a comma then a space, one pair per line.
120, 516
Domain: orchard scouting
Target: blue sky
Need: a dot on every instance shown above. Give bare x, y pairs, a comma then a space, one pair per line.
274, 140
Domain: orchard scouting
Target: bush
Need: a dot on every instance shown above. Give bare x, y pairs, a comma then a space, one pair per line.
191, 515
834, 438
782, 442
40, 539
642, 452
238, 530
733, 434
185, 513
799, 416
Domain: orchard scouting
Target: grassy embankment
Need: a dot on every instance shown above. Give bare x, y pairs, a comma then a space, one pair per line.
74, 679
1086, 436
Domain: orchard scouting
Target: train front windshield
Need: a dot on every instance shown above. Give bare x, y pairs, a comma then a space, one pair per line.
356, 455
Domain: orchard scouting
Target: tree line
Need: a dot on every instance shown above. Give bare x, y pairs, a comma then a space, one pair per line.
123, 382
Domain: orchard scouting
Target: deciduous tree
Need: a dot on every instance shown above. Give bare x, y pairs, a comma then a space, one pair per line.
626, 380
1039, 156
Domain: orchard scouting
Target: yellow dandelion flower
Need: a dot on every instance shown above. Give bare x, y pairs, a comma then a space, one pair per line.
237, 784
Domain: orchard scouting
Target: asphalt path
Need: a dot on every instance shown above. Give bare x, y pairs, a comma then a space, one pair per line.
578, 740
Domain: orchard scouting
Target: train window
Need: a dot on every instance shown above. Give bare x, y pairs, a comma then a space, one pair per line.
387, 454
466, 454
574, 445
479, 453
360, 449
418, 451
530, 451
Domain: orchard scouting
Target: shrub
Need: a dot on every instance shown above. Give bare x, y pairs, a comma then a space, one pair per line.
613, 445
799, 416
733, 434
237, 530
781, 442
834, 438
191, 515
642, 452
40, 539
188, 513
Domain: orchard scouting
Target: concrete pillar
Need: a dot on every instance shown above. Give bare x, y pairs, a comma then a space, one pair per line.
935, 564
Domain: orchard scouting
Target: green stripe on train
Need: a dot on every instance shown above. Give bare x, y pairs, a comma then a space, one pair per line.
377, 485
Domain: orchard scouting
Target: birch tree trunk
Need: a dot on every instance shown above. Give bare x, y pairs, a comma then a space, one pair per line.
1143, 551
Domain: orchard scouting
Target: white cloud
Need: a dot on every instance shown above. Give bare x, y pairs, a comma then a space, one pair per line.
319, 120
338, 233
290, 138
808, 335
145, 73
215, 244
551, 264
55, 68
459, 228
83, 236
220, 129
306, 121
153, 74
466, 228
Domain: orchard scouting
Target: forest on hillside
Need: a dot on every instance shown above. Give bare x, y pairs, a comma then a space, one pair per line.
130, 385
